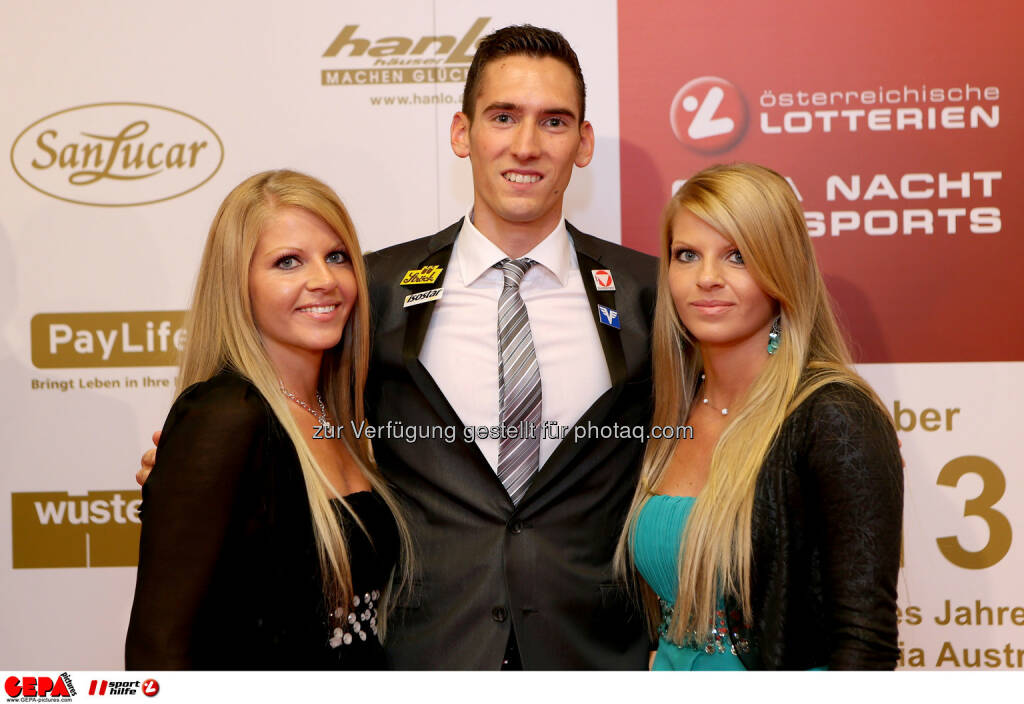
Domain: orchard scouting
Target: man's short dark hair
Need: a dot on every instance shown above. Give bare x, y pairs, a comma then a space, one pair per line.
521, 40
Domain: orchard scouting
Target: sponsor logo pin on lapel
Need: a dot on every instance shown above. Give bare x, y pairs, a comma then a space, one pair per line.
414, 299
603, 279
426, 275
609, 317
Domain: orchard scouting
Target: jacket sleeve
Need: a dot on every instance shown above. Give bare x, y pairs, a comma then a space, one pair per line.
210, 434
854, 458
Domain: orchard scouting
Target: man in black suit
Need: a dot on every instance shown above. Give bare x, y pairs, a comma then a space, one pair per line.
514, 572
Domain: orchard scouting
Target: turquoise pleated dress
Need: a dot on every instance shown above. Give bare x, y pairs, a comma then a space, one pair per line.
656, 541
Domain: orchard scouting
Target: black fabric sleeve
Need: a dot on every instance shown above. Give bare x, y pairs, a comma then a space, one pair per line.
212, 433
855, 461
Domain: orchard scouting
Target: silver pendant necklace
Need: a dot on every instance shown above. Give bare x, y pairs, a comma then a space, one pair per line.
707, 401
321, 416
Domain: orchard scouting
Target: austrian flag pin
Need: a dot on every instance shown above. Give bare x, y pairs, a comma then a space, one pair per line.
603, 279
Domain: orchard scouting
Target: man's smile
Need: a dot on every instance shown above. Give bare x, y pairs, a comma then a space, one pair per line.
517, 177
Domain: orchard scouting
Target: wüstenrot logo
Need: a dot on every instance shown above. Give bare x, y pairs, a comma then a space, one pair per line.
117, 154
55, 529
708, 115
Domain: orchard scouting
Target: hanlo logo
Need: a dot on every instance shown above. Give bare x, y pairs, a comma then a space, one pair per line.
708, 115
117, 154
33, 688
395, 59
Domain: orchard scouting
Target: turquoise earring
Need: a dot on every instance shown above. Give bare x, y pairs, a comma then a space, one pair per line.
773, 335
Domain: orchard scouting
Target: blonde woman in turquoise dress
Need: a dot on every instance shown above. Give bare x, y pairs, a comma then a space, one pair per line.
765, 530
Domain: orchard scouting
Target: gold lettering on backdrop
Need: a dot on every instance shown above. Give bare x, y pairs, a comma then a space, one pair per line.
46, 148
137, 153
1000, 533
459, 55
346, 37
980, 615
399, 46
931, 419
55, 529
375, 76
968, 615
445, 44
910, 616
391, 46
125, 339
910, 657
145, 381
1008, 656
99, 160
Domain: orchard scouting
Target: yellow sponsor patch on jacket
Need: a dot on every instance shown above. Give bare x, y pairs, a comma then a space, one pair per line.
426, 275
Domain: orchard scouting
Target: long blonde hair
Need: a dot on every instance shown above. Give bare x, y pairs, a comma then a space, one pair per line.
222, 333
755, 208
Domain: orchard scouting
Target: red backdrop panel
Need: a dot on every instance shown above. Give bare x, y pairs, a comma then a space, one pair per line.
900, 126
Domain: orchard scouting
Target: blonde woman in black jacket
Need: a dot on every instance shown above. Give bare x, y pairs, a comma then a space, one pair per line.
770, 537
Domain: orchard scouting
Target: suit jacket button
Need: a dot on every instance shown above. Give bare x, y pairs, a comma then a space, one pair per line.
499, 614
516, 527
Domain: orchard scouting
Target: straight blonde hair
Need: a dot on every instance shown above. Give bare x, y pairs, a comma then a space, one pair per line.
755, 209
222, 334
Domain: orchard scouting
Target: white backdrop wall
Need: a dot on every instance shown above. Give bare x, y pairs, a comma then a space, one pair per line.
251, 72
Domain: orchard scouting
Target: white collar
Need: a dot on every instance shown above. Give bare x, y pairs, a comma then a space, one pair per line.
474, 254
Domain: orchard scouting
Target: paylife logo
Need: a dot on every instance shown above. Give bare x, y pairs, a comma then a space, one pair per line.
708, 115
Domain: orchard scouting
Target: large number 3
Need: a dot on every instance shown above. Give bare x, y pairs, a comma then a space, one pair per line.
1000, 533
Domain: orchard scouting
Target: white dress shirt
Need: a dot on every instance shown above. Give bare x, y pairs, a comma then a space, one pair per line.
460, 350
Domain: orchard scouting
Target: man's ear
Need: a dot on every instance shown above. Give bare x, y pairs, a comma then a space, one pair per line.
460, 135
585, 152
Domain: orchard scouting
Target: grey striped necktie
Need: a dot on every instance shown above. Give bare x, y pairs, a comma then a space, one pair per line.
518, 385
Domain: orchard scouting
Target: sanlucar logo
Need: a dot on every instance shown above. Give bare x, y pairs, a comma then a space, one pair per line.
117, 154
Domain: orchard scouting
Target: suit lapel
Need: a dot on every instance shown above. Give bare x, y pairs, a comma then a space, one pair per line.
417, 317
589, 258
611, 337
416, 323
417, 320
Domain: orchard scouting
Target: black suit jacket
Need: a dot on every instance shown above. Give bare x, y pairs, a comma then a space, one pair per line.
484, 564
